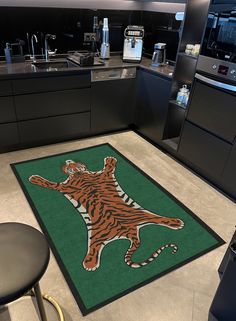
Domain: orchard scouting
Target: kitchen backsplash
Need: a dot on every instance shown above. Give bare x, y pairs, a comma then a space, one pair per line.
69, 25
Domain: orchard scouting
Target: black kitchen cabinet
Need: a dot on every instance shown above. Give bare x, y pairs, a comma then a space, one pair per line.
52, 103
153, 94
52, 129
7, 110
9, 138
112, 105
205, 153
229, 173
191, 32
5, 88
52, 83
213, 110
46, 109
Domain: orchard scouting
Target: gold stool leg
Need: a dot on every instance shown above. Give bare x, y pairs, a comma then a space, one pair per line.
51, 300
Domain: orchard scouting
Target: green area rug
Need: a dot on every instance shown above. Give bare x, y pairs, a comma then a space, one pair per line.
111, 227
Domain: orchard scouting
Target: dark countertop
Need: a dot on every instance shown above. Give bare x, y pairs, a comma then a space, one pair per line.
26, 69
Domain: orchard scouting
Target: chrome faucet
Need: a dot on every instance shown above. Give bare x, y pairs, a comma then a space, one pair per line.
33, 37
48, 36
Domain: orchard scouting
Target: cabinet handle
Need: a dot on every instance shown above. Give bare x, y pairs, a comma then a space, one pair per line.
215, 83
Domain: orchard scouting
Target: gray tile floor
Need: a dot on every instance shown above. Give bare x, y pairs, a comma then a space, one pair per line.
184, 294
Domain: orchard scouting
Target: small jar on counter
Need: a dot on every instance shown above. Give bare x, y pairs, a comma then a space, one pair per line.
183, 96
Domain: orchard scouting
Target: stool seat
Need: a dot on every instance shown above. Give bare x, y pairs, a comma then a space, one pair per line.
24, 257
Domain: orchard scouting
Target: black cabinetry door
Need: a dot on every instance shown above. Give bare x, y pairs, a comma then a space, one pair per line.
112, 105
204, 152
152, 105
229, 174
5, 88
46, 84
214, 110
51, 129
52, 103
9, 137
7, 110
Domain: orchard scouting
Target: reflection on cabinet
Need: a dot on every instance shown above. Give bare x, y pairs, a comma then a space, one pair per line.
153, 93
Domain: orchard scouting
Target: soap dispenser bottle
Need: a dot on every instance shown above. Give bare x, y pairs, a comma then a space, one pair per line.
105, 47
8, 53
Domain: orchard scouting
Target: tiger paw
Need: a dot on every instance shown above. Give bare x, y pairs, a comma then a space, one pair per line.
35, 179
90, 263
110, 160
40, 181
176, 224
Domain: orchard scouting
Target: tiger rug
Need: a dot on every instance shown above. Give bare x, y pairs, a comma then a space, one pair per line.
108, 212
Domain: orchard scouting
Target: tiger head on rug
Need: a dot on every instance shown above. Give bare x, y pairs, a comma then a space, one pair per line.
108, 212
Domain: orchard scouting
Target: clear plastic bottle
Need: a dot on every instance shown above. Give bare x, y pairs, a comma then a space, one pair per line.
183, 95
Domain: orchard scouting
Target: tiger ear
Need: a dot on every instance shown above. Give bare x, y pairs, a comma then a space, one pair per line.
64, 169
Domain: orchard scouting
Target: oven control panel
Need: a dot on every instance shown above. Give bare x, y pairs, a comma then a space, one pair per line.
218, 68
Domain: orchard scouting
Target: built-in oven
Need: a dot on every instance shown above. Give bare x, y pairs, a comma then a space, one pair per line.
220, 35
208, 137
213, 105
223, 1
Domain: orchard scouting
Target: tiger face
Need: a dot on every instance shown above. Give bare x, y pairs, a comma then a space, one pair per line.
72, 167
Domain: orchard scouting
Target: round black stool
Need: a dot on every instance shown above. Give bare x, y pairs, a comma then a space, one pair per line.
24, 257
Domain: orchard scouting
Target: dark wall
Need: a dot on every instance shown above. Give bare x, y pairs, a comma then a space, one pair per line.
70, 24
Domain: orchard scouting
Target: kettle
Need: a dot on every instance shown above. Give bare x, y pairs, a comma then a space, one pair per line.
159, 55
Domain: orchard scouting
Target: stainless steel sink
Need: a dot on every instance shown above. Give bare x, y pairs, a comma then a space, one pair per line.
53, 64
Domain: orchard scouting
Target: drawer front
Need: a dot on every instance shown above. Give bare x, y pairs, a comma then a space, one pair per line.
52, 129
52, 103
229, 174
45, 84
5, 88
214, 110
112, 105
9, 138
204, 151
7, 110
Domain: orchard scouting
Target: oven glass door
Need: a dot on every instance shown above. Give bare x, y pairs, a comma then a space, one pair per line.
223, 1
213, 107
220, 36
